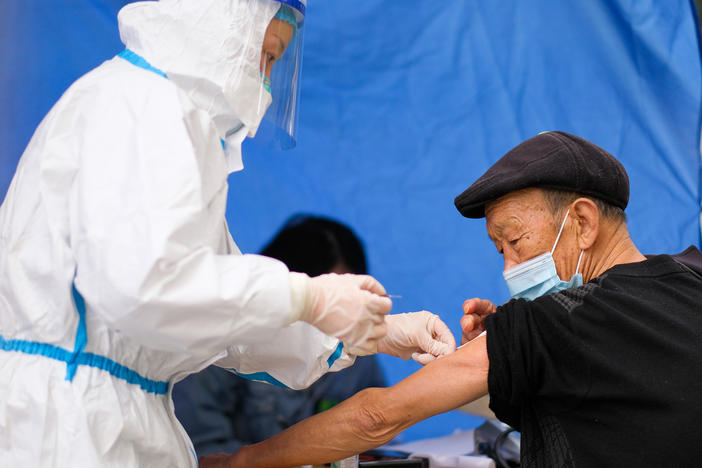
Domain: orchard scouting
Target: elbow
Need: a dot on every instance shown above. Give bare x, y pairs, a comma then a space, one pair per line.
373, 421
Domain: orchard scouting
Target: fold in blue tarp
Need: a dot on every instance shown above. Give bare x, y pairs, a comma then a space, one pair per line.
404, 104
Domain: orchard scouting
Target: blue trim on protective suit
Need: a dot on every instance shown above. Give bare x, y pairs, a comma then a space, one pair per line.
266, 377
261, 377
32, 347
122, 372
139, 61
77, 357
336, 354
81, 335
84, 359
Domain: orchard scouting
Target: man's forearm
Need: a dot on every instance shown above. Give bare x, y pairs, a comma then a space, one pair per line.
374, 416
351, 427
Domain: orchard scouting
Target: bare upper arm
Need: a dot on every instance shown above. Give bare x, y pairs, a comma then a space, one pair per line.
442, 385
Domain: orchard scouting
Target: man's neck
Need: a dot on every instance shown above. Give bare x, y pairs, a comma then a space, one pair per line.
617, 248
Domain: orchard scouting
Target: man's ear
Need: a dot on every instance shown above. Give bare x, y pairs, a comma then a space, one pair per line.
588, 218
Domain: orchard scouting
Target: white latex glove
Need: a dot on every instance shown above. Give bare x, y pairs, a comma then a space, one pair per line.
349, 307
419, 335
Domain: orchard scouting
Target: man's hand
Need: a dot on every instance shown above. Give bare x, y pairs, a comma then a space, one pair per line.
419, 335
473, 322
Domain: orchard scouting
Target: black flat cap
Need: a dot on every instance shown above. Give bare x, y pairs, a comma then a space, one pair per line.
555, 160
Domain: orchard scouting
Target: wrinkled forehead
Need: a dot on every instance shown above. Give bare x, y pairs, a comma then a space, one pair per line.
527, 207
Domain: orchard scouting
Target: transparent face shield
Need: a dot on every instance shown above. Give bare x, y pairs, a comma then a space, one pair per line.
281, 65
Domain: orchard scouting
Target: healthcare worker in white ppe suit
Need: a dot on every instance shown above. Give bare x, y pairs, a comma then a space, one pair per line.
118, 275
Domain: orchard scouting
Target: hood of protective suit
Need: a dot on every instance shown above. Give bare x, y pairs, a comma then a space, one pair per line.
211, 50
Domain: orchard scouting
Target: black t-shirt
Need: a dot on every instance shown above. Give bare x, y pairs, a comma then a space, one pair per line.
605, 375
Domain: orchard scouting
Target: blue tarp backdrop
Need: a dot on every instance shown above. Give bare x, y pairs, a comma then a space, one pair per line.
405, 103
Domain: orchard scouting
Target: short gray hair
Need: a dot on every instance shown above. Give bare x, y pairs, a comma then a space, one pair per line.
557, 200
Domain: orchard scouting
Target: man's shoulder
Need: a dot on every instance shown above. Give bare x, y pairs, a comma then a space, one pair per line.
655, 266
690, 258
566, 299
620, 287
571, 298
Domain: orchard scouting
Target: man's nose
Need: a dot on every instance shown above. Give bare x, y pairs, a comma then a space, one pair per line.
509, 263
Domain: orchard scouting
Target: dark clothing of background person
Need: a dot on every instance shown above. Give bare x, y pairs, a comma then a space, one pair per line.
581, 395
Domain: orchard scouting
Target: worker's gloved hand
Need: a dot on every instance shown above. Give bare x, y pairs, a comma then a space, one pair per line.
421, 336
473, 322
349, 307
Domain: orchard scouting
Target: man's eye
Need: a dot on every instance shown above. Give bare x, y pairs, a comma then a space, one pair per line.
270, 58
514, 242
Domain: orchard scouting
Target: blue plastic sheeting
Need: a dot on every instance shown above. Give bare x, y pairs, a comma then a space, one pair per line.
404, 104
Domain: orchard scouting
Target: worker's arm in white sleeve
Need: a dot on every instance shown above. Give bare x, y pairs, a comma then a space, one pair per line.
147, 216
294, 357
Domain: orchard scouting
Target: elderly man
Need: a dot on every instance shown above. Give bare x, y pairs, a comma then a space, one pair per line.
597, 360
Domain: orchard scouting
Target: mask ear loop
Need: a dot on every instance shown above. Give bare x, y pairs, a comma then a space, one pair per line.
577, 267
560, 231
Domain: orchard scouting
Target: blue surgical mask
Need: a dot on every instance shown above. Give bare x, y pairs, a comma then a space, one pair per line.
538, 277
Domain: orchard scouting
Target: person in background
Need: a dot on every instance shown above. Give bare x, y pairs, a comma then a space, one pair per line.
222, 411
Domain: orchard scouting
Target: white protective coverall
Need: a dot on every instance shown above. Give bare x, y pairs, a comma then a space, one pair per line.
118, 275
